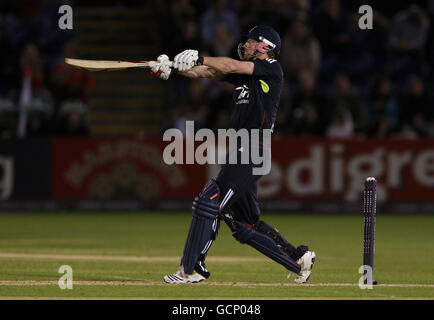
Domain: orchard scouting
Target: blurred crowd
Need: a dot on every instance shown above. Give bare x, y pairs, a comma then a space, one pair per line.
39, 94
340, 81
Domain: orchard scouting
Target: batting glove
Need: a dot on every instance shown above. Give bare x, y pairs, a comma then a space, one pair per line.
185, 60
162, 67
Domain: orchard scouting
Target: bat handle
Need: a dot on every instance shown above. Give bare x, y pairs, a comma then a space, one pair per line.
151, 64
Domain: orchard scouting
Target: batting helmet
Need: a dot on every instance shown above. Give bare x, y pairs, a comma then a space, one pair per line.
266, 34
268, 38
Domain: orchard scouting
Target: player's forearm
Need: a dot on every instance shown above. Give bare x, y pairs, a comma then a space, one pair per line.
228, 65
192, 73
222, 64
202, 72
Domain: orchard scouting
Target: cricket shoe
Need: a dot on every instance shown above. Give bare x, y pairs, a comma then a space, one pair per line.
181, 277
306, 262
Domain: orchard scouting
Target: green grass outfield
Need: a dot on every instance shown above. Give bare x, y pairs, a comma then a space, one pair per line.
126, 255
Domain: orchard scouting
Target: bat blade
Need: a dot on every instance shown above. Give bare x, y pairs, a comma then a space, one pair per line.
101, 65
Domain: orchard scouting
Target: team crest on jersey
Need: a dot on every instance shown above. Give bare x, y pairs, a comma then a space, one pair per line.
243, 96
244, 92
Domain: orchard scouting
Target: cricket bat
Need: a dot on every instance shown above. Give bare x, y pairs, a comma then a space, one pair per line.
104, 65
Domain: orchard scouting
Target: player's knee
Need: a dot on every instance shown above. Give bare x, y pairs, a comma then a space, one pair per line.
265, 228
206, 204
243, 233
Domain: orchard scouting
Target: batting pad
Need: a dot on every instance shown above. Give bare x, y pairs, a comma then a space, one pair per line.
203, 226
265, 245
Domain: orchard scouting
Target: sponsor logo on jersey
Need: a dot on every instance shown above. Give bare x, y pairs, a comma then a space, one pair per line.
264, 86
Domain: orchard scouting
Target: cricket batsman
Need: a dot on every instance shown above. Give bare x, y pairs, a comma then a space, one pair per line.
233, 195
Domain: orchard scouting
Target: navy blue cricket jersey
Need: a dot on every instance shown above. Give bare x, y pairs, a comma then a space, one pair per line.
256, 97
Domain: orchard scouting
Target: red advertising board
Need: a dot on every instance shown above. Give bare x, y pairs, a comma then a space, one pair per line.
334, 170
302, 169
119, 169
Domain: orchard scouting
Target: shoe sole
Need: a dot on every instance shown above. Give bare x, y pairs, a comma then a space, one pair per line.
311, 266
310, 270
186, 282
168, 280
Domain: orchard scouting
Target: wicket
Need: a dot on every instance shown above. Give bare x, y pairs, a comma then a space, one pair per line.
369, 212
